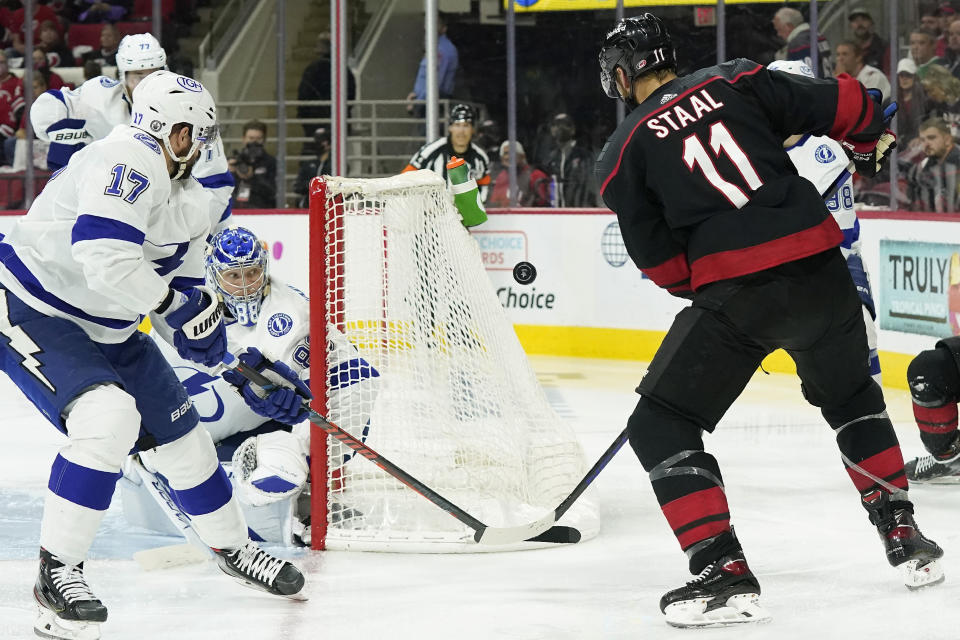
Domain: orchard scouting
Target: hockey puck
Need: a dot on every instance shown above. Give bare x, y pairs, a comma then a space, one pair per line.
524, 273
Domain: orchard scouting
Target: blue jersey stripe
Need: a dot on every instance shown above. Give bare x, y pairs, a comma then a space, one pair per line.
224, 179
28, 281
90, 227
56, 93
208, 496
81, 485
182, 283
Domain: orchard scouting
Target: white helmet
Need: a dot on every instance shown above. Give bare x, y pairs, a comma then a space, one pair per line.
796, 67
137, 52
164, 99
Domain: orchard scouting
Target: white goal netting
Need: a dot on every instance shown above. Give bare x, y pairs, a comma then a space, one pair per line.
455, 403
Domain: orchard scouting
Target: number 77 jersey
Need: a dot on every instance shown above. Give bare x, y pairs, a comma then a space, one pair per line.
701, 184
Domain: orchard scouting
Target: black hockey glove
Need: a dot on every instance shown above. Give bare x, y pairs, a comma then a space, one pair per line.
869, 149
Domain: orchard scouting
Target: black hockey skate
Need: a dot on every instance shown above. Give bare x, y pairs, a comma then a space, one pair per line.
252, 566
68, 609
726, 592
935, 469
907, 548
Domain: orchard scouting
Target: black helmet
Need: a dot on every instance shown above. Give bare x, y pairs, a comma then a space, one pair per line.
637, 45
462, 113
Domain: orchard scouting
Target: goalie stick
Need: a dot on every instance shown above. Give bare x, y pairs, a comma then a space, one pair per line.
482, 533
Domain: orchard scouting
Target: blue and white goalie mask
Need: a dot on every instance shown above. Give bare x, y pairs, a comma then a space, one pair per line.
237, 266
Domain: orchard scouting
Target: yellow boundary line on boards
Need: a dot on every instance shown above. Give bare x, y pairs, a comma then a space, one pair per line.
638, 344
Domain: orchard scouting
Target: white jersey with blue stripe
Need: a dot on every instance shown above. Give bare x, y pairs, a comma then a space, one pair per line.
282, 334
72, 118
822, 160
107, 237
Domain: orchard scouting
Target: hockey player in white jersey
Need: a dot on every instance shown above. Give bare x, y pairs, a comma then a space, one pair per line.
822, 161
269, 448
72, 118
117, 234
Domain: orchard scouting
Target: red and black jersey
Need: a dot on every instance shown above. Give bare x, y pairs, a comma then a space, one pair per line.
701, 184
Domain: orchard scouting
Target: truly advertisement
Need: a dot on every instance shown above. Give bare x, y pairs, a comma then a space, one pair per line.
919, 287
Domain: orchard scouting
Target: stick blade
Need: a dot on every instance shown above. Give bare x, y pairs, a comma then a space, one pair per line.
558, 535
512, 535
177, 555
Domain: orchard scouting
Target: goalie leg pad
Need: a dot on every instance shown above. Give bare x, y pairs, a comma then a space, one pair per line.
201, 488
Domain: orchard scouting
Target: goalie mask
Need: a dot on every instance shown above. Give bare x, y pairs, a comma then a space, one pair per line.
237, 266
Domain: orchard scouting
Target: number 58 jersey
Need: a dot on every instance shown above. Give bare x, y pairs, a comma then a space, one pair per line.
701, 184
107, 237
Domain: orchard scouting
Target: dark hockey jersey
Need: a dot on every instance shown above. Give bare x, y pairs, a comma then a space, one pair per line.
701, 184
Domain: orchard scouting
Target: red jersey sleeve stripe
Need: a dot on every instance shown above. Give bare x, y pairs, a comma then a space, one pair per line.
671, 273
854, 108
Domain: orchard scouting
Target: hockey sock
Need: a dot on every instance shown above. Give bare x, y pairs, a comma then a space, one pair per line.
935, 387
201, 488
686, 481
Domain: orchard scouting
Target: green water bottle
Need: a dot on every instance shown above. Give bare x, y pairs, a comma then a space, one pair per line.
466, 194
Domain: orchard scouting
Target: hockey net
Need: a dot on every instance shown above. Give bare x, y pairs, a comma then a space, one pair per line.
455, 402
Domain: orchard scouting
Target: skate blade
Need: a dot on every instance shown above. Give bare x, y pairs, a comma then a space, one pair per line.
917, 575
943, 480
48, 625
299, 596
740, 609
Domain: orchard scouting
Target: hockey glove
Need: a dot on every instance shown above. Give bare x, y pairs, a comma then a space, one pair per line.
869, 149
270, 467
194, 325
284, 402
862, 282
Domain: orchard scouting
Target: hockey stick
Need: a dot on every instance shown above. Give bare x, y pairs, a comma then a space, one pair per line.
482, 533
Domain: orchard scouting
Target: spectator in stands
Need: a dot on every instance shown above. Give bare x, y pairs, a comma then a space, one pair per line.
930, 20
952, 56
458, 142
533, 185
447, 62
40, 84
41, 13
570, 166
41, 64
91, 11
319, 166
254, 170
943, 97
850, 61
91, 69
11, 87
934, 183
922, 46
875, 50
912, 102
795, 33
488, 138
109, 42
315, 85
58, 53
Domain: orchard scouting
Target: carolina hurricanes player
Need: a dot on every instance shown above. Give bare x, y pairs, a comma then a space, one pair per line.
72, 118
822, 161
268, 445
117, 234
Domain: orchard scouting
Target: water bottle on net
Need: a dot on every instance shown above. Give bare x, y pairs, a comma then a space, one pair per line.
466, 194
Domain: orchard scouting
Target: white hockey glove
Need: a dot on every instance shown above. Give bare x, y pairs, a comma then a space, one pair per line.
270, 467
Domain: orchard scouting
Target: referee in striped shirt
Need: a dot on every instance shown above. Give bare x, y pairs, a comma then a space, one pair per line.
458, 142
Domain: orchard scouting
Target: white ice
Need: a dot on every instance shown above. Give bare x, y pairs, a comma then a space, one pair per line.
819, 561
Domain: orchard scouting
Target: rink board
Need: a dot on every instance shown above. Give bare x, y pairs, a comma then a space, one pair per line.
588, 300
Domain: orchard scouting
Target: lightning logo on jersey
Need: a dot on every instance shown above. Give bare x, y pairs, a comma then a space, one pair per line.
22, 343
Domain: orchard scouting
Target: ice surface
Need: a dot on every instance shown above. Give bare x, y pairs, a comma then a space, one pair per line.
819, 561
